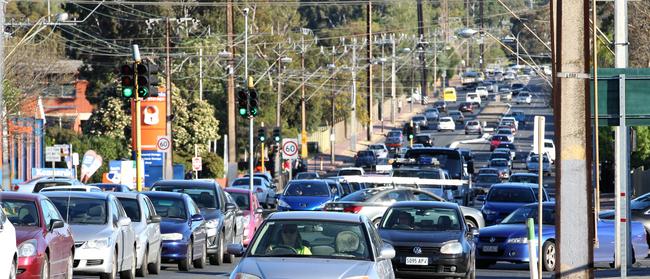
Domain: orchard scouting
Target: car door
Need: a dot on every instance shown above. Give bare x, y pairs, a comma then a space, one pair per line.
50, 238
129, 233
238, 220
198, 229
383, 267
153, 229
56, 238
229, 216
118, 231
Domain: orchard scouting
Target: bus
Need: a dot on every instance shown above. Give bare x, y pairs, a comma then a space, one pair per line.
449, 94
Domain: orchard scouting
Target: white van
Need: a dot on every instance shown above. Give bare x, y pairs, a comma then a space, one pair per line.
472, 97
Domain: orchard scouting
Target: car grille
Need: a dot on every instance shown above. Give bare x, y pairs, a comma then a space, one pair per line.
78, 244
486, 239
94, 262
409, 250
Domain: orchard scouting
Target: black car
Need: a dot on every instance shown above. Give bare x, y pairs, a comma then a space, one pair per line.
416, 127
220, 215
365, 159
307, 175
469, 159
466, 107
430, 239
424, 139
440, 105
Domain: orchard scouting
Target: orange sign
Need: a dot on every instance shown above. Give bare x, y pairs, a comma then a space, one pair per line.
153, 121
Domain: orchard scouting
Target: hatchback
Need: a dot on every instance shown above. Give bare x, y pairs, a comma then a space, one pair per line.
504, 198
306, 195
251, 211
473, 127
446, 124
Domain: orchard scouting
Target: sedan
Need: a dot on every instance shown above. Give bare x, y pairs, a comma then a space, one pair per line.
315, 245
105, 242
484, 182
380, 150
9, 254
146, 225
524, 98
430, 239
440, 105
420, 121
446, 123
44, 240
507, 133
265, 193
432, 114
502, 165
473, 127
496, 140
393, 143
306, 195
466, 107
457, 116
425, 139
640, 209
365, 159
504, 198
182, 229
532, 164
251, 211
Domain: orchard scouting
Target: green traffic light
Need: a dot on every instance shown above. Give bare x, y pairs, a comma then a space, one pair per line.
411, 136
127, 92
242, 111
253, 111
143, 92
262, 138
277, 139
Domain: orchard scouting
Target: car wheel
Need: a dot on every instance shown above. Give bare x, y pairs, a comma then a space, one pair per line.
69, 269
45, 267
471, 223
12, 270
200, 263
154, 268
130, 273
217, 259
227, 258
548, 256
484, 264
113, 273
184, 265
143, 271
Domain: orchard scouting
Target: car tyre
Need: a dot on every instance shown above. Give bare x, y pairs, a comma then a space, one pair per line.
70, 268
154, 268
45, 267
200, 262
130, 274
227, 258
143, 271
113, 273
217, 258
548, 256
185, 264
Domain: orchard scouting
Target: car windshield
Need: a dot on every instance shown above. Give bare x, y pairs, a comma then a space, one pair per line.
524, 179
312, 189
64, 190
21, 212
246, 182
376, 147
521, 215
488, 178
306, 175
313, 239
535, 158
445, 119
504, 132
169, 207
422, 219
498, 163
131, 207
394, 134
418, 118
472, 123
349, 172
450, 160
367, 153
455, 113
500, 138
518, 195
203, 197
46, 184
242, 200
109, 187
82, 211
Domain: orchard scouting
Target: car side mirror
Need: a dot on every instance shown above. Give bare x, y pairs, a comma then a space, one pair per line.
230, 206
387, 252
197, 218
259, 210
155, 219
473, 232
124, 221
236, 249
481, 198
56, 223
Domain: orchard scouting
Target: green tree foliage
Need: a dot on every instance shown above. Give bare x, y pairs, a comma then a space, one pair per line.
110, 119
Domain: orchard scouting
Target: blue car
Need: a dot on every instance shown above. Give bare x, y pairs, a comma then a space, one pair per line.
306, 195
507, 241
182, 229
504, 198
110, 187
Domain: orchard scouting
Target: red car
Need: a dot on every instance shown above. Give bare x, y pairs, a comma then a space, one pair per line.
242, 198
496, 140
466, 107
44, 240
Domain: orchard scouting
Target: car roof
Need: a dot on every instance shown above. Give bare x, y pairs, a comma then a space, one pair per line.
316, 215
515, 185
20, 196
162, 194
524, 174
236, 190
428, 204
187, 183
307, 180
128, 195
91, 195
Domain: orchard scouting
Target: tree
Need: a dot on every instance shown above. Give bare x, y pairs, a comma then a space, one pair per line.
110, 119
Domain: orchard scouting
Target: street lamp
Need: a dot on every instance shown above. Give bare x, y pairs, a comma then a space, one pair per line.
332, 69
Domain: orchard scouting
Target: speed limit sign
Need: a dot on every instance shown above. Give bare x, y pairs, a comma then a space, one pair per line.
289, 149
163, 143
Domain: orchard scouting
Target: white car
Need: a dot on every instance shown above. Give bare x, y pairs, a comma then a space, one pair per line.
473, 97
350, 171
265, 194
78, 188
146, 226
506, 132
28, 186
509, 119
380, 150
524, 98
446, 123
482, 91
548, 149
8, 258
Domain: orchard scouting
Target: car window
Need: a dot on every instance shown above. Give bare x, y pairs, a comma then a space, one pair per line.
399, 195
132, 208
421, 196
21, 213
47, 213
422, 219
204, 197
114, 212
241, 199
313, 189
170, 207
150, 207
146, 210
83, 211
194, 209
349, 172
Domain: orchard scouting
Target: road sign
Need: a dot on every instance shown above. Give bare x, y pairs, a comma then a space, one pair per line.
197, 164
64, 149
75, 159
289, 149
52, 154
163, 144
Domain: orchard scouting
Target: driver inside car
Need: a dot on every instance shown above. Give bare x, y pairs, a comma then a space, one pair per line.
290, 239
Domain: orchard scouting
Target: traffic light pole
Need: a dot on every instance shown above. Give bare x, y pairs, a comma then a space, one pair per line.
138, 134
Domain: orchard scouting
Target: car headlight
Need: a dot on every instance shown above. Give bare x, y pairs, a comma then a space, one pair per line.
97, 243
171, 236
283, 204
489, 212
452, 248
518, 240
241, 275
27, 248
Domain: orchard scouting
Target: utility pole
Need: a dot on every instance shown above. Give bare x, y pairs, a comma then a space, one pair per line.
481, 44
381, 99
392, 80
232, 121
6, 179
353, 113
201, 73
169, 168
370, 96
278, 122
333, 103
421, 46
303, 113
435, 64
573, 180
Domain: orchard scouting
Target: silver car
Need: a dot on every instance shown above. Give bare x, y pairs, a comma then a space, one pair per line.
315, 245
105, 241
146, 224
373, 203
473, 127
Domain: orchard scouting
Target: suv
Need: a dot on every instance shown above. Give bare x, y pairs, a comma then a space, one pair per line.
365, 159
220, 215
482, 92
425, 139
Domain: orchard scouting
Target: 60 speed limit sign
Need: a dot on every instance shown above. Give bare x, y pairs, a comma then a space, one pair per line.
289, 149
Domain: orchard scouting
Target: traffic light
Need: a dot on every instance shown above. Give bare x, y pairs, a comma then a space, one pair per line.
143, 80
261, 134
253, 103
277, 135
410, 132
152, 77
242, 100
126, 80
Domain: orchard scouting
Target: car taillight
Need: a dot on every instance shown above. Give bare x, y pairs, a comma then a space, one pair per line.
353, 209
259, 190
16, 187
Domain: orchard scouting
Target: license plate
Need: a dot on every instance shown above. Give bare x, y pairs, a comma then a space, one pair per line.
488, 248
417, 261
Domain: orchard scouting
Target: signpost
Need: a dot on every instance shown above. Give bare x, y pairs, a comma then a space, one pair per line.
290, 152
53, 154
197, 166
